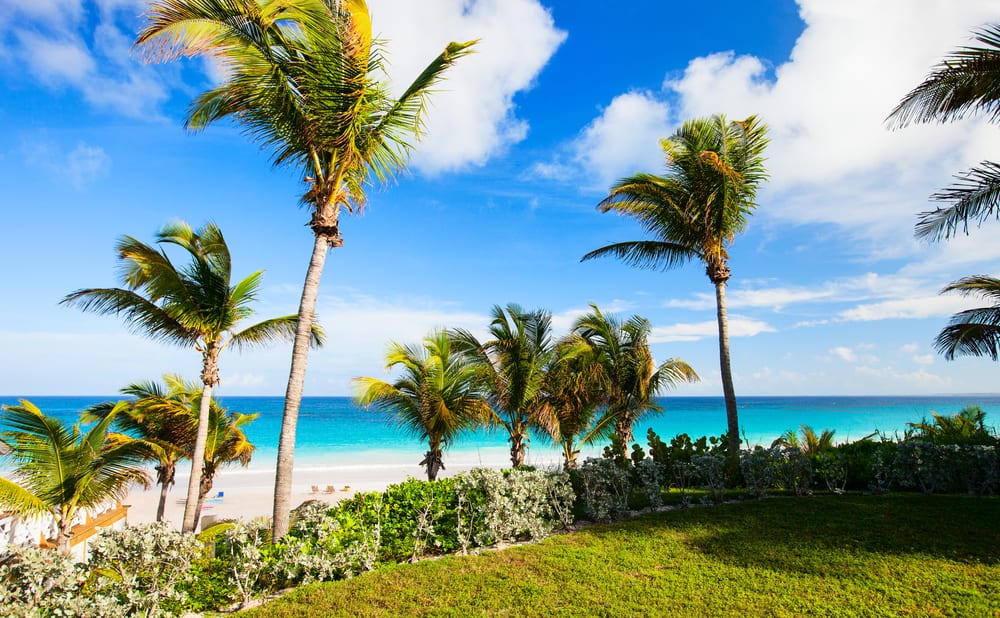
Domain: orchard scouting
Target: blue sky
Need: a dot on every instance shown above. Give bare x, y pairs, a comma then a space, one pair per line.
830, 292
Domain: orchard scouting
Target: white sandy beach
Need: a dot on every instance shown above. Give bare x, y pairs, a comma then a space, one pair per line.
249, 493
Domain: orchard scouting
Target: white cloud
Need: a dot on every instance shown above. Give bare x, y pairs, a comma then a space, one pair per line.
56, 61
914, 307
845, 354
924, 359
472, 115
82, 165
738, 327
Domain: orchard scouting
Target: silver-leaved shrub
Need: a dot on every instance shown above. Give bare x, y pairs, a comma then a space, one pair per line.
37, 583
606, 487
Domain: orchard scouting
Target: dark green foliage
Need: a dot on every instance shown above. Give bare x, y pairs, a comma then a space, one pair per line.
861, 460
211, 587
966, 427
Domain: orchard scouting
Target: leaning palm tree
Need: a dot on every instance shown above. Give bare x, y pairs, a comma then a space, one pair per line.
965, 82
694, 212
512, 366
58, 470
193, 306
629, 376
436, 398
302, 78
161, 417
225, 445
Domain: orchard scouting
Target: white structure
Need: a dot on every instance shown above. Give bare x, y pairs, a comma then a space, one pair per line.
40, 531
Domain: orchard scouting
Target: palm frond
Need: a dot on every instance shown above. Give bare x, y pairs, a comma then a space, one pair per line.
975, 196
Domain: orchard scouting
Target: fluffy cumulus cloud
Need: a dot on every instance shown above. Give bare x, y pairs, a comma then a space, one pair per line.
66, 44
472, 115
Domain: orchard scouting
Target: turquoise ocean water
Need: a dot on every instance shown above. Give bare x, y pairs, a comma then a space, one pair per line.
332, 431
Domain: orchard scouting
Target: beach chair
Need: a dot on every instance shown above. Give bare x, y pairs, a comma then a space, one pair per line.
329, 489
314, 490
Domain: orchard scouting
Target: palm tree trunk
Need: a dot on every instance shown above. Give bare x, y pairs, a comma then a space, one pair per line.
63, 536
732, 418
293, 393
193, 504
204, 487
166, 479
517, 448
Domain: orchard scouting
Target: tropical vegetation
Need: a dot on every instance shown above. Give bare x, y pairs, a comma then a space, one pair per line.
437, 397
195, 306
512, 366
305, 80
694, 212
963, 83
161, 417
59, 471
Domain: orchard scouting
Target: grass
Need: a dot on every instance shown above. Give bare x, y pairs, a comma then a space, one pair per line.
841, 556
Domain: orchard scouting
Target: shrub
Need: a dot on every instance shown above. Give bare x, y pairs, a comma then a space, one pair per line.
606, 488
514, 504
39, 582
142, 567
709, 472
758, 468
793, 469
831, 469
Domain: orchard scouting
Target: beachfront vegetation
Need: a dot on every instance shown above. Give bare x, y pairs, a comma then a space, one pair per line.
436, 398
166, 420
694, 212
483, 508
58, 470
304, 80
195, 306
963, 83
512, 366
626, 370
161, 418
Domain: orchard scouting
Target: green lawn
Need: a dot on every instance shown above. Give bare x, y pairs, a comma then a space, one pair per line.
842, 556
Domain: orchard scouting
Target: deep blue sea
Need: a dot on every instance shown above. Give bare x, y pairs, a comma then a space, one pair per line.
334, 431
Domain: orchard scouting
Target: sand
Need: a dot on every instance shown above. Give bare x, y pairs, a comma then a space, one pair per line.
248, 493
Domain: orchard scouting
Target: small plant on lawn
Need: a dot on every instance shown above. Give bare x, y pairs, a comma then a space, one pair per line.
710, 474
758, 468
794, 469
831, 469
649, 480
142, 567
606, 489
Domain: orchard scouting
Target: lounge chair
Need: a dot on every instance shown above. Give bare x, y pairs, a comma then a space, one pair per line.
314, 490
329, 489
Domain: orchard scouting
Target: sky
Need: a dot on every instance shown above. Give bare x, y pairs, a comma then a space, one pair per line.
831, 294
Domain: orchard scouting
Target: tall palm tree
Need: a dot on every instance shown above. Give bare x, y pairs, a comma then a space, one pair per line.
192, 306
512, 366
630, 377
965, 82
436, 398
302, 78
58, 470
162, 418
694, 212
226, 444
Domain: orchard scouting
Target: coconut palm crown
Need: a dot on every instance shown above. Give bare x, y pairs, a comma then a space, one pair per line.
436, 398
694, 212
194, 306
59, 470
302, 78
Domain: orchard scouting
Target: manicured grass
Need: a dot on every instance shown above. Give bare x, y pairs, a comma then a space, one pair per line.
843, 556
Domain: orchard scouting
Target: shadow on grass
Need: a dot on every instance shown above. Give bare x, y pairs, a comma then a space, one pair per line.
830, 535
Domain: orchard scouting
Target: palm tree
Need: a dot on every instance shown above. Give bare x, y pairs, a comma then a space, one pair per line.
58, 470
436, 398
965, 82
574, 395
226, 444
629, 375
302, 78
966, 427
162, 418
694, 212
512, 366
193, 306
810, 443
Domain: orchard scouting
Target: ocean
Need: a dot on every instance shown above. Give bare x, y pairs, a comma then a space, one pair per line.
333, 431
